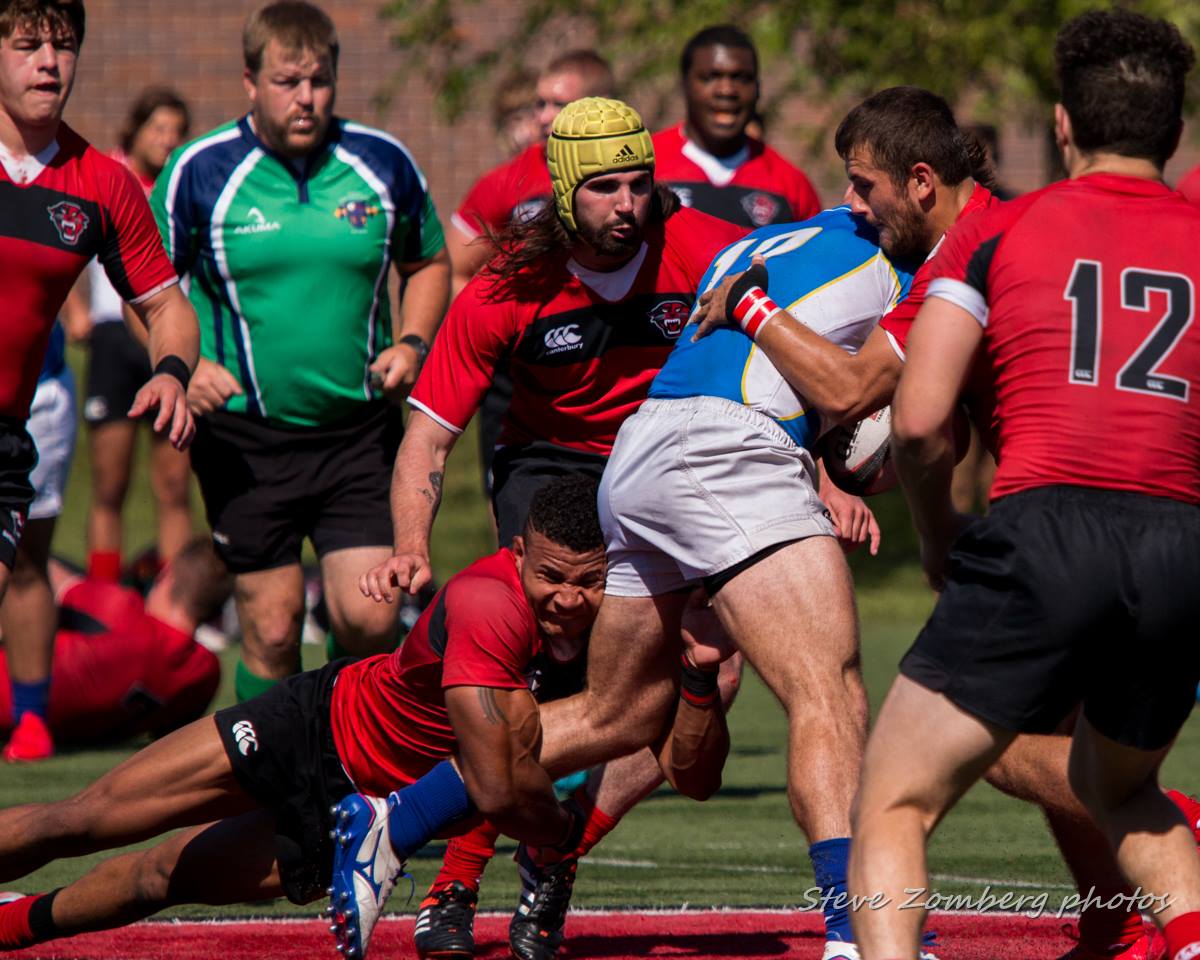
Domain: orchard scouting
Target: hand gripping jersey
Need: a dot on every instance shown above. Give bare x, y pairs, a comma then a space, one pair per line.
287, 267
754, 188
827, 272
79, 205
389, 712
512, 192
117, 670
1089, 341
580, 363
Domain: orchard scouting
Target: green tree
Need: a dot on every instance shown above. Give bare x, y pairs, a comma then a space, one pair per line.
997, 53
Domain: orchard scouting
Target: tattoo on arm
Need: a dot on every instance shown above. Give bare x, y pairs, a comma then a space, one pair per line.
491, 709
434, 495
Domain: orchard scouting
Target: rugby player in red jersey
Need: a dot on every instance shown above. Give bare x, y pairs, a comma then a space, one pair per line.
910, 178
709, 159
1078, 588
253, 783
124, 665
61, 203
510, 193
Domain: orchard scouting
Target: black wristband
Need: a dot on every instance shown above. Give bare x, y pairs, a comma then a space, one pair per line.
419, 345
698, 687
756, 276
175, 367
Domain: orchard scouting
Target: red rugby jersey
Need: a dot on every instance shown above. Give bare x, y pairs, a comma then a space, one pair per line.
118, 671
82, 205
1189, 186
898, 322
763, 189
515, 190
580, 364
1086, 291
388, 712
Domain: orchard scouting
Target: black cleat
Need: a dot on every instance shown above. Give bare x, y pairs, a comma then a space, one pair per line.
536, 929
446, 923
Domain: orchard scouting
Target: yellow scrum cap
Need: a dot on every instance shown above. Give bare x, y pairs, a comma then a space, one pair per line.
592, 136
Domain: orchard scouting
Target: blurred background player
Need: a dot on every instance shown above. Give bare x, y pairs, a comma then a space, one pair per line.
515, 113
515, 191
118, 365
1034, 621
125, 665
709, 159
286, 221
63, 203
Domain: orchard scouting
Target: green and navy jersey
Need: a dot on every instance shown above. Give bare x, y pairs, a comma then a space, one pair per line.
827, 272
287, 264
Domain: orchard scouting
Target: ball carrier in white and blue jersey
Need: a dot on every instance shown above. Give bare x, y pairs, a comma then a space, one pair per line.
712, 482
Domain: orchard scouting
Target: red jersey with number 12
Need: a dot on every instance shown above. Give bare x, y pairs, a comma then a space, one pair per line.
82, 204
1087, 293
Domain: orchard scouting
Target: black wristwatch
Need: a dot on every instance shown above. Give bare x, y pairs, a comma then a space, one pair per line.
419, 345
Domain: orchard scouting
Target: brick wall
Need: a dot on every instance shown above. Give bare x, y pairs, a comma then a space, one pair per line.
197, 49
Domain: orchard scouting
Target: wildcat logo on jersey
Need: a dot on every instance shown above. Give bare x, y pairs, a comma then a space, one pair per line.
760, 208
356, 213
670, 317
69, 220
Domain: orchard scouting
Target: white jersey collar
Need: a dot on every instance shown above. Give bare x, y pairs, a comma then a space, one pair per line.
612, 285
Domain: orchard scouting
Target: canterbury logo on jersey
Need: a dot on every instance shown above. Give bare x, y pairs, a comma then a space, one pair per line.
565, 338
258, 223
245, 737
624, 155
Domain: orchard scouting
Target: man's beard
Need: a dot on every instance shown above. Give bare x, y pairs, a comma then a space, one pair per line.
907, 233
606, 245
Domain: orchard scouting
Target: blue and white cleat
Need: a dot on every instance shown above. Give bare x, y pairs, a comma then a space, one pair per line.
365, 870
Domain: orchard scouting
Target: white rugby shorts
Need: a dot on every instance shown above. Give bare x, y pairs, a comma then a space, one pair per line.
695, 486
52, 425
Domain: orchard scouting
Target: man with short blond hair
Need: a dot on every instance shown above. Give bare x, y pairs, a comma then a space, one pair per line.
287, 220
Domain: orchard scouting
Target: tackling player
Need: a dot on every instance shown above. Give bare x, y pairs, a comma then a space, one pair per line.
62, 203
253, 784
1078, 587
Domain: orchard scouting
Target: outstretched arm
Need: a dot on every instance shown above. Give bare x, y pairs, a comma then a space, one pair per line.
499, 735
416, 493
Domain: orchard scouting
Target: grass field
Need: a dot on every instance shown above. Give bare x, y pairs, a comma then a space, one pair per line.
741, 847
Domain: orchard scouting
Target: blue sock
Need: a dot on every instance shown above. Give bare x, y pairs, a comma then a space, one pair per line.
30, 698
426, 807
830, 860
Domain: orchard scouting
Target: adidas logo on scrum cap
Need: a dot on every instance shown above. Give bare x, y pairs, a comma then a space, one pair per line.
624, 155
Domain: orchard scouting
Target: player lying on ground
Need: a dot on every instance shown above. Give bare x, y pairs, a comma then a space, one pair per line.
255, 782
124, 666
1078, 588
913, 177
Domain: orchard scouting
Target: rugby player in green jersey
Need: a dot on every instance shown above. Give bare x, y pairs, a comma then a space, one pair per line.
285, 222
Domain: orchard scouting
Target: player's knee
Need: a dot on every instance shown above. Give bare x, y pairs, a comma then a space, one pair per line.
367, 629
152, 872
170, 489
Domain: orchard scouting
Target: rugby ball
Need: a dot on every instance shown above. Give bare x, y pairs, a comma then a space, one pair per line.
858, 456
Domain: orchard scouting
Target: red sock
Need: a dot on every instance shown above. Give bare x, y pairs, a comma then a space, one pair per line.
15, 931
1189, 807
1105, 929
104, 565
467, 857
598, 826
1183, 936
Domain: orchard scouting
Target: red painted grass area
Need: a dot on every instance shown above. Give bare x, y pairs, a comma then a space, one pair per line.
602, 936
